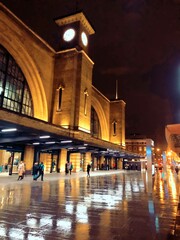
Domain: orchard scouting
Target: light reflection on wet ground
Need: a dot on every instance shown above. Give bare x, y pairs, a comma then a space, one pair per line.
115, 206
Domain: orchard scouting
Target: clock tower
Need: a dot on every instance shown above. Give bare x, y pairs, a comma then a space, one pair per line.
73, 74
74, 32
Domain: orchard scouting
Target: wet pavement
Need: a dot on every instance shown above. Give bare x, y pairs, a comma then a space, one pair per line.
113, 205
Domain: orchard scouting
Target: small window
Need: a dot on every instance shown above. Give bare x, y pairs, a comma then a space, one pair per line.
114, 127
59, 102
85, 101
135, 148
130, 148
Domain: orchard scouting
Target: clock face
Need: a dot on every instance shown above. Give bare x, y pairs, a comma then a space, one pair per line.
69, 35
84, 39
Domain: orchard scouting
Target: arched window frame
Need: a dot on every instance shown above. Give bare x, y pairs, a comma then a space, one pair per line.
14, 90
95, 124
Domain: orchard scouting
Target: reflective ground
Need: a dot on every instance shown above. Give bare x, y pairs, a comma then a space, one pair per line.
113, 206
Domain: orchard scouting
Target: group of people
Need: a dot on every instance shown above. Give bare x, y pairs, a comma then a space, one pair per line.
38, 171
68, 167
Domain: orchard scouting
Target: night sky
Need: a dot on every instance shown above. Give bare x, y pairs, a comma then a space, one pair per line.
137, 42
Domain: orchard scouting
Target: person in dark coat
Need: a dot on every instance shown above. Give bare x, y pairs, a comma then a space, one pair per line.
35, 171
41, 171
88, 169
70, 167
67, 168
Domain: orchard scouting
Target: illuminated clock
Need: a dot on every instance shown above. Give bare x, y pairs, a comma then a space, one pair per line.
84, 39
75, 31
69, 34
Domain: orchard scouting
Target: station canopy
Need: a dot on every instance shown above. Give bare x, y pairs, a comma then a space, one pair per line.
17, 131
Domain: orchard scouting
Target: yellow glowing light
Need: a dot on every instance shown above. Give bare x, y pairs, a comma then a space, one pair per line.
65, 123
65, 126
84, 130
169, 153
172, 184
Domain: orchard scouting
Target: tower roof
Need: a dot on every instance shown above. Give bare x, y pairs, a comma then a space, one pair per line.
77, 17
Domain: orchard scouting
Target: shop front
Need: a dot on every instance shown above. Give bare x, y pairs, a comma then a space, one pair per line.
9, 161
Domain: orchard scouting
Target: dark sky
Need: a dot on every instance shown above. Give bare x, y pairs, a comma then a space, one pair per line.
137, 42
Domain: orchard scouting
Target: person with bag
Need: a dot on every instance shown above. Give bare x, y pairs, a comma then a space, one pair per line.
21, 171
70, 166
35, 171
41, 171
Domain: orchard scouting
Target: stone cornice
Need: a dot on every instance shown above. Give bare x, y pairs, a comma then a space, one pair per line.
78, 17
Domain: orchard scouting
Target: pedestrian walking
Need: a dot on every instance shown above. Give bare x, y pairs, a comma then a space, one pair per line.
21, 171
41, 171
136, 166
88, 170
6, 167
35, 171
53, 166
70, 167
66, 168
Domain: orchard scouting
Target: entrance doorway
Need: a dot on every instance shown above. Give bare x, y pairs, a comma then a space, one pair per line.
9, 161
50, 160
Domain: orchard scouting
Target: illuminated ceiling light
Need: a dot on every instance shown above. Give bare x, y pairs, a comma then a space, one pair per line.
49, 142
44, 136
36, 143
81, 147
85, 144
70, 148
66, 141
9, 130
110, 150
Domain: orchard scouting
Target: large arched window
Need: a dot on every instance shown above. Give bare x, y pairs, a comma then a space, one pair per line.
14, 91
95, 125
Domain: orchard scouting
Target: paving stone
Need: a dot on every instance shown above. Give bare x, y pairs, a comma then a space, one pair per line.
112, 205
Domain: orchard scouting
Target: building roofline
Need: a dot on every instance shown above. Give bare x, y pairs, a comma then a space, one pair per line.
20, 22
77, 17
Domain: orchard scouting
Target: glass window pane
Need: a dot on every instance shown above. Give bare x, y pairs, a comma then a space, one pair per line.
16, 95
95, 125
